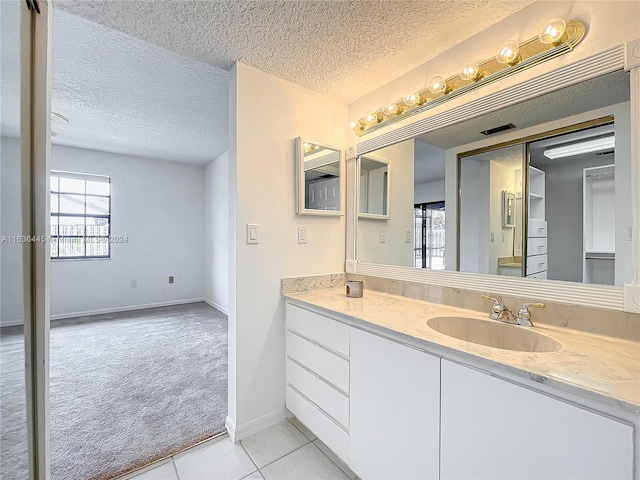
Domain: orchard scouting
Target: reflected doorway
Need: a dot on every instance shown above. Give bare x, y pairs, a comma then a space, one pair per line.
429, 235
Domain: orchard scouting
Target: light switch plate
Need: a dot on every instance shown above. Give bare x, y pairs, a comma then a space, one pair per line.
302, 234
407, 236
382, 235
252, 233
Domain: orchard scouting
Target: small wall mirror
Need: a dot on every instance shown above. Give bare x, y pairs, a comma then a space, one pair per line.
373, 188
319, 179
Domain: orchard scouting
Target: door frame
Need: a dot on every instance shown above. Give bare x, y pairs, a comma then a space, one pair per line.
35, 132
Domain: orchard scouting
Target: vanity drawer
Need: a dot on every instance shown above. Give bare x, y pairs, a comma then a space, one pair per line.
327, 365
330, 400
326, 429
537, 228
541, 275
536, 263
322, 330
536, 246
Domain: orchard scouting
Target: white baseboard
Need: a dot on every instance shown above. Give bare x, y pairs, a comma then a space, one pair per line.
217, 306
255, 426
126, 308
11, 323
86, 313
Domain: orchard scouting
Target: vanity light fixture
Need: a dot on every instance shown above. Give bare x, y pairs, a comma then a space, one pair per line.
413, 99
309, 147
471, 71
438, 85
552, 31
589, 146
391, 110
373, 119
555, 38
509, 53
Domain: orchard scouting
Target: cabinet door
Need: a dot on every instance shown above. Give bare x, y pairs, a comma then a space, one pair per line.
395, 409
493, 429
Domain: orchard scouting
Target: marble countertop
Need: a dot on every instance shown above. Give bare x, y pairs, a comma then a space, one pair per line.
604, 369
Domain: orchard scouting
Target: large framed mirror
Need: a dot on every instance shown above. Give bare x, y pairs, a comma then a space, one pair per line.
462, 177
319, 179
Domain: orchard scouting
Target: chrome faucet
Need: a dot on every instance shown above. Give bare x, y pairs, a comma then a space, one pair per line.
524, 315
499, 311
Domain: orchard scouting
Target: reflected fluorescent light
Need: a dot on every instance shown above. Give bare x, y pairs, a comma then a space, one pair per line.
597, 145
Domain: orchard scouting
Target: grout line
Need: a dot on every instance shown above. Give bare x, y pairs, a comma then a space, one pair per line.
347, 474
175, 467
304, 434
295, 450
249, 455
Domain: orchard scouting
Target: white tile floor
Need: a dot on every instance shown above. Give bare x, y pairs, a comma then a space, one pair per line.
286, 451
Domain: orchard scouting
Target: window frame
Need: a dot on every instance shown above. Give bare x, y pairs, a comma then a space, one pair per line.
84, 238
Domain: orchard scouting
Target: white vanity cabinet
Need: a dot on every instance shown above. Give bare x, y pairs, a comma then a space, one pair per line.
395, 409
493, 429
317, 372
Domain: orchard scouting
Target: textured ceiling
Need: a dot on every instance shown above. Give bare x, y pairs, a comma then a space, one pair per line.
129, 96
122, 94
344, 48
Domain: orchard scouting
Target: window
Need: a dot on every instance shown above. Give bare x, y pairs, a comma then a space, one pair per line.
429, 235
80, 215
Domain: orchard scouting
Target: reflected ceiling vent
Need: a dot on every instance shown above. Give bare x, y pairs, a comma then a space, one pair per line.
610, 152
501, 128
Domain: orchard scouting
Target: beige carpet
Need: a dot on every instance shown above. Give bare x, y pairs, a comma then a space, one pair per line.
126, 389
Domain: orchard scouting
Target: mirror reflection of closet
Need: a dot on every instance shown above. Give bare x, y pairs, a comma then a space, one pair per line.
578, 169
572, 170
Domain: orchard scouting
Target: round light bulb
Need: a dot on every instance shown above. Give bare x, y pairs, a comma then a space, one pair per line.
413, 99
437, 85
372, 119
470, 71
391, 109
356, 125
508, 53
552, 31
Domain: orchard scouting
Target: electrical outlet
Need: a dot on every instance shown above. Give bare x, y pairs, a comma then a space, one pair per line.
302, 234
134, 284
171, 279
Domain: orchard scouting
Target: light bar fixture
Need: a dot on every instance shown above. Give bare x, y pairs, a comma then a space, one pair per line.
556, 37
589, 146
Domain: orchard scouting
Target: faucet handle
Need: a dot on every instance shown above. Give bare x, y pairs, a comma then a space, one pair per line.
524, 315
496, 301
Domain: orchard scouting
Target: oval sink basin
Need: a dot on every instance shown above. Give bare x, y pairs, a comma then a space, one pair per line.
494, 334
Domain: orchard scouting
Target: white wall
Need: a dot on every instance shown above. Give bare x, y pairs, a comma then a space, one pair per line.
395, 251
503, 176
266, 114
157, 205
11, 306
216, 225
474, 217
429, 192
